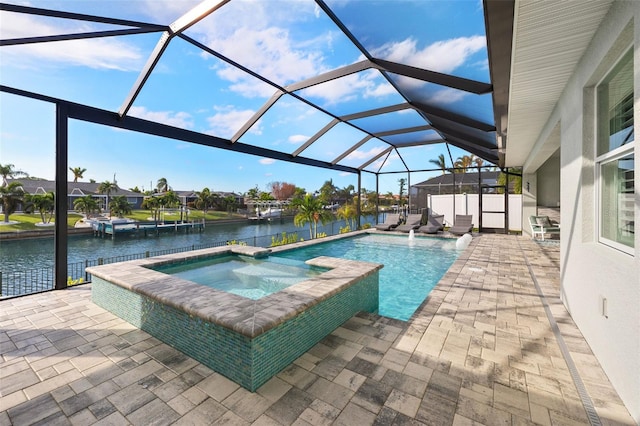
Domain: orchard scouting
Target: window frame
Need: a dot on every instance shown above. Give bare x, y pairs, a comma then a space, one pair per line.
609, 157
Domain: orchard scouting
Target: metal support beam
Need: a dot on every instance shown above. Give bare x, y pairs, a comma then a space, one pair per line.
76, 36
377, 199
181, 24
60, 236
350, 150
315, 137
358, 207
465, 84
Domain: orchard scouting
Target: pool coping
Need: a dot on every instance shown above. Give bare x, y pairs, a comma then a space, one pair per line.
248, 317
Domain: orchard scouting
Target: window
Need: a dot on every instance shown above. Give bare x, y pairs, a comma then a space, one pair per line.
615, 156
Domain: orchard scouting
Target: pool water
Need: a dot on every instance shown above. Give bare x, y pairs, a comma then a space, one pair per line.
412, 267
242, 275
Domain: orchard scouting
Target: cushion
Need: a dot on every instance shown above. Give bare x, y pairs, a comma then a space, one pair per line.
543, 221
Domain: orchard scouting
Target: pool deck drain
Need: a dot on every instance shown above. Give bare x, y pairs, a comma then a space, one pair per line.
480, 350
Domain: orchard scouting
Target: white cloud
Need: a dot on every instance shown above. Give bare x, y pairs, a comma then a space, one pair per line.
165, 11
365, 155
256, 35
447, 96
442, 56
266, 161
386, 162
228, 120
341, 90
101, 53
177, 119
269, 52
297, 139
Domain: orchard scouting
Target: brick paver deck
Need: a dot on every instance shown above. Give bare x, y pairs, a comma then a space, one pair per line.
481, 350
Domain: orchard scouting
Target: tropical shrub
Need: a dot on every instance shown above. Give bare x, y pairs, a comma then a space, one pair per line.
284, 239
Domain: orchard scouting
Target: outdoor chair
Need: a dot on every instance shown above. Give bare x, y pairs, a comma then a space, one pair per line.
390, 222
541, 225
413, 222
462, 225
434, 225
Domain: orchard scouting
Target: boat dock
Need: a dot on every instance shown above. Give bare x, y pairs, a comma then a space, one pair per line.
104, 229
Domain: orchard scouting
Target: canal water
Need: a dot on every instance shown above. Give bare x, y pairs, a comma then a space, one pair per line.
20, 255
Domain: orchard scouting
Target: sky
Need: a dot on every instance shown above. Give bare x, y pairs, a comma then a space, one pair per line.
286, 41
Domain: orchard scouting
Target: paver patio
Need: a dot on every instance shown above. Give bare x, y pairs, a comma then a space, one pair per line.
481, 350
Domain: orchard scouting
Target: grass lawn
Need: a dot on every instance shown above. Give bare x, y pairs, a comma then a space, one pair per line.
27, 222
145, 215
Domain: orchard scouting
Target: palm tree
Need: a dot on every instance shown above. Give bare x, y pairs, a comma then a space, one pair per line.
7, 171
107, 188
230, 203
77, 172
349, 213
162, 185
310, 211
86, 205
465, 162
119, 205
204, 200
440, 162
170, 199
401, 182
328, 192
153, 204
11, 195
44, 203
345, 194
253, 193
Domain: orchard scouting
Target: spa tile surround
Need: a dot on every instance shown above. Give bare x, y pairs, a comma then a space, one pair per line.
226, 309
248, 341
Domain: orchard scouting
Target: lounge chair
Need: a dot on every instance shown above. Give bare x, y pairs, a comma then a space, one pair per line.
413, 222
434, 225
541, 225
390, 222
462, 225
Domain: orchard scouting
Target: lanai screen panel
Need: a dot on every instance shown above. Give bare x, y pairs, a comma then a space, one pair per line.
421, 136
417, 157
104, 68
403, 119
363, 153
283, 41
286, 126
460, 102
249, 51
354, 93
413, 33
334, 142
196, 95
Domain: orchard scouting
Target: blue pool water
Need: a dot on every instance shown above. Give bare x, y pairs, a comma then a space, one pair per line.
241, 275
412, 267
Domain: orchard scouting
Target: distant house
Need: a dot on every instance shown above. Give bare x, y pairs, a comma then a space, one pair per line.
187, 197
451, 183
77, 190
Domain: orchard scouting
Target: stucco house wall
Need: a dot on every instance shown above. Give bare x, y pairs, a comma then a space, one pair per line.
591, 271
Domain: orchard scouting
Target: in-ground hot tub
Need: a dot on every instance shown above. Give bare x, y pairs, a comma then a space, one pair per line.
246, 340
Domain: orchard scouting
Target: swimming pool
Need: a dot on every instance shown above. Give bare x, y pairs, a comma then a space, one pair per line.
412, 267
242, 275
